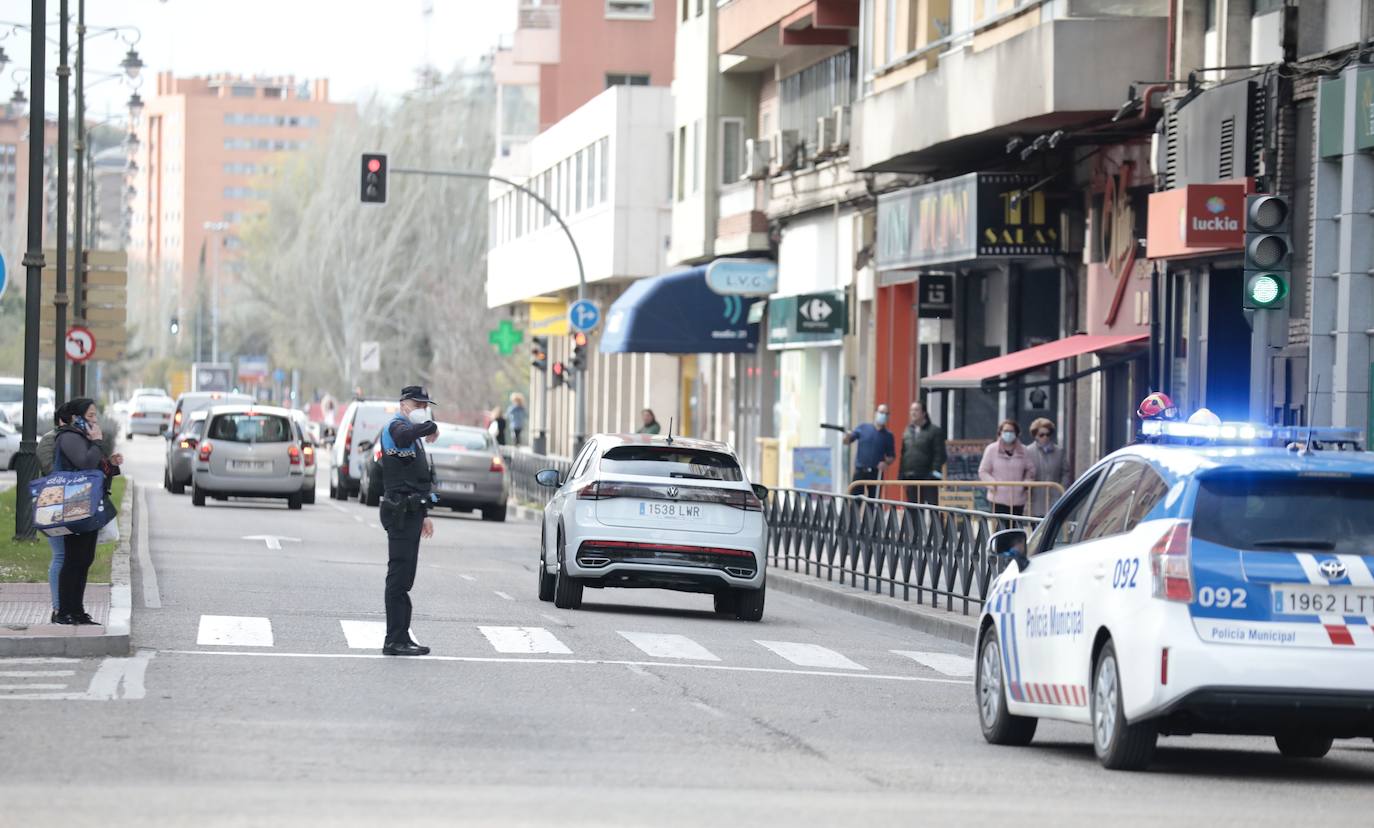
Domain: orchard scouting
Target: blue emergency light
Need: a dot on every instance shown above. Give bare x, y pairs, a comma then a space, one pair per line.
1253, 434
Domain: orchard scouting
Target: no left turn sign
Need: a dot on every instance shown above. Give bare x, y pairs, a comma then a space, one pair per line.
80, 344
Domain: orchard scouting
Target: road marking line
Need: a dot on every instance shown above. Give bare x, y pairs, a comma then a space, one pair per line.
358, 518
662, 645
555, 619
152, 596
364, 635
134, 671
36, 673
703, 706
524, 640
580, 662
114, 671
8, 661
947, 663
466, 577
810, 655
503, 595
234, 631
339, 508
33, 686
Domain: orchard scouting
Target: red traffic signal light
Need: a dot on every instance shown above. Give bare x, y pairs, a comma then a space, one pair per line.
374, 178
374, 165
579, 340
558, 369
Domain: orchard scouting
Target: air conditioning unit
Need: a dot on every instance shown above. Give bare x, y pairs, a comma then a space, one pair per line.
825, 135
843, 121
785, 149
756, 157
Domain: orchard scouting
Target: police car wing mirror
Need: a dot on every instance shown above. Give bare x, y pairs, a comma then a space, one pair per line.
1009, 543
548, 478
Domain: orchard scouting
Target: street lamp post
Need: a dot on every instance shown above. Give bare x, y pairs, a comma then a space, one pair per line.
26, 463
60, 299
216, 227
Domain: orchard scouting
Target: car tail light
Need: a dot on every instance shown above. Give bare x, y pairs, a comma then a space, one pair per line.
1171, 564
377, 452
348, 447
746, 501
309, 452
205, 449
600, 491
176, 419
1164, 666
497, 465
188, 442
293, 452
136, 414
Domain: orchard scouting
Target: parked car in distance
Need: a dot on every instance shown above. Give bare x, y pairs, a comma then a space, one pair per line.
12, 403
249, 451
9, 442
469, 472
193, 401
361, 422
370, 482
149, 415
181, 454
310, 451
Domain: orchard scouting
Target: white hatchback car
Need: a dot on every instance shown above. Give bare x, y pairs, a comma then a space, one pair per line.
656, 512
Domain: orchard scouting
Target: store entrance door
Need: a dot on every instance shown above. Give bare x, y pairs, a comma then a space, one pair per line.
1227, 379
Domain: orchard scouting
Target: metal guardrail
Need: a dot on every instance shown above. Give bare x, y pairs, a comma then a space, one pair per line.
1040, 494
887, 546
523, 466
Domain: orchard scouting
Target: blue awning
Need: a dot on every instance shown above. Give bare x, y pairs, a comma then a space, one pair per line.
676, 313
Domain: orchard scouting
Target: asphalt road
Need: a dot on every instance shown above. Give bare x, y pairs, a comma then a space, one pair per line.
641, 708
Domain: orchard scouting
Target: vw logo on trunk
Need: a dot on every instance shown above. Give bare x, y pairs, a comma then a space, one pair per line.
673, 493
1332, 569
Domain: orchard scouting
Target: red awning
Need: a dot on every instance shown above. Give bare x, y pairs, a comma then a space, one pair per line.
973, 376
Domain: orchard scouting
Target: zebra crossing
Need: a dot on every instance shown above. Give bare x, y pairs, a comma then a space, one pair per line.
249, 633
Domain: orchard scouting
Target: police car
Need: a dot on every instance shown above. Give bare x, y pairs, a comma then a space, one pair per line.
1214, 579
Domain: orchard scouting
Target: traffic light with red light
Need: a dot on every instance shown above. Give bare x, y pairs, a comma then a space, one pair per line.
562, 375
579, 352
374, 178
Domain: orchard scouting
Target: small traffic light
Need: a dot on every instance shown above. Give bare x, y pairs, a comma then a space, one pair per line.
561, 375
1268, 251
539, 352
579, 352
175, 326
374, 178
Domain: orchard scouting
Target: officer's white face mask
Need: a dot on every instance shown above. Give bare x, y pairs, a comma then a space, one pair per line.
419, 416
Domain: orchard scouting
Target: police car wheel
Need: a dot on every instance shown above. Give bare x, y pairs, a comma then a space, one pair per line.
1119, 745
999, 726
1303, 745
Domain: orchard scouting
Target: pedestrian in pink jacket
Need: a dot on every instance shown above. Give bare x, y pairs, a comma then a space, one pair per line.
1005, 460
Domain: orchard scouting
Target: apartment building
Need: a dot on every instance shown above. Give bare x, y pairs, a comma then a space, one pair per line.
207, 148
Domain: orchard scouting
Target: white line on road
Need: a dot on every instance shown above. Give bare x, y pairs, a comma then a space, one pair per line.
466, 577
503, 595
234, 631
703, 706
810, 655
364, 635
33, 686
947, 663
114, 671
580, 662
524, 640
36, 673
51, 660
555, 619
152, 596
358, 518
339, 508
273, 541
662, 645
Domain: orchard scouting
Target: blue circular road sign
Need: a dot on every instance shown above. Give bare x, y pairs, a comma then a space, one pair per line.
4, 280
584, 315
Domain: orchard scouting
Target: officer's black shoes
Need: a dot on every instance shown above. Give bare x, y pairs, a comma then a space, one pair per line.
405, 649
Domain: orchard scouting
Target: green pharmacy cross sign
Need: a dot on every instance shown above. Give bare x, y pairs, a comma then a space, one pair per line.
505, 337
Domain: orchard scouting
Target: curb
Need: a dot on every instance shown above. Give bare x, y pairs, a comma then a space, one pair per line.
962, 629
520, 512
119, 627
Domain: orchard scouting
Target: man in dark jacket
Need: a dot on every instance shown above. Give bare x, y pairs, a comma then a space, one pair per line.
406, 484
923, 455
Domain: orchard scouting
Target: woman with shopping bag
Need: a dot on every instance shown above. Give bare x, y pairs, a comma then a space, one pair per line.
78, 449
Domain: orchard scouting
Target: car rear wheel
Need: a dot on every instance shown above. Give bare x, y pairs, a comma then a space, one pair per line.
293, 502
546, 581
368, 493
333, 486
749, 604
725, 603
494, 513
998, 724
308, 495
197, 495
1119, 744
1303, 745
178, 487
166, 478
567, 590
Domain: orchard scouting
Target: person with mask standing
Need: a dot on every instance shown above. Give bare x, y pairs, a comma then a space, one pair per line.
923, 455
407, 481
1050, 465
77, 448
876, 449
1005, 461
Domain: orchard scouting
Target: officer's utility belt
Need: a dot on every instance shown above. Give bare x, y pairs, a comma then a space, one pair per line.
406, 504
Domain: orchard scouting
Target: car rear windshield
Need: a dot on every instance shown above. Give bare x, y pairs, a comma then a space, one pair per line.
251, 428
666, 461
1326, 514
11, 393
192, 404
163, 404
469, 440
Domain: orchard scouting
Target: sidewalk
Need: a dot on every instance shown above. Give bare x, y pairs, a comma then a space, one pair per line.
25, 609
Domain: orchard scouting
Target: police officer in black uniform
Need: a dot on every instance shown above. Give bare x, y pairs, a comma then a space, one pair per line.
406, 483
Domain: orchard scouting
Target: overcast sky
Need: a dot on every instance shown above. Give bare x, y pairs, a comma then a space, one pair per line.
362, 46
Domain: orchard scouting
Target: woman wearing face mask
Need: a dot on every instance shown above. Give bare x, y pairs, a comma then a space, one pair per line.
77, 448
1050, 465
1005, 460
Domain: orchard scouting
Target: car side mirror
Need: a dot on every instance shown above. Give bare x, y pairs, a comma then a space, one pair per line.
761, 492
1010, 543
549, 478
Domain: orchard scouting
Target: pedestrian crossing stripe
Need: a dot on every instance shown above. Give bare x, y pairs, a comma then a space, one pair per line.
811, 655
234, 631
524, 640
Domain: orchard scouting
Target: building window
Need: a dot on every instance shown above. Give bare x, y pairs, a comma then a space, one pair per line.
814, 92
696, 156
681, 184
603, 153
731, 150
580, 181
615, 79
630, 9
701, 7
243, 91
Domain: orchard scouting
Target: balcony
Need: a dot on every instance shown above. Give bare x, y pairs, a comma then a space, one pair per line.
760, 33
536, 34
743, 223
1024, 75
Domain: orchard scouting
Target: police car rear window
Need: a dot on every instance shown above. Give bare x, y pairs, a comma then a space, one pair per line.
1286, 513
664, 461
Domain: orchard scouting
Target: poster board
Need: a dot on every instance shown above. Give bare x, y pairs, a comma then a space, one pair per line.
962, 460
813, 468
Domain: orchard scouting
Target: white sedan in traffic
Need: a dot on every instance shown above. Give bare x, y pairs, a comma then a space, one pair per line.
654, 512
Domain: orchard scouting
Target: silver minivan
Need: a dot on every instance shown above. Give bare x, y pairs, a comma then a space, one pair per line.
249, 451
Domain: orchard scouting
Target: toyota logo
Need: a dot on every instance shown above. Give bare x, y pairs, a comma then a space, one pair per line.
1332, 569
673, 493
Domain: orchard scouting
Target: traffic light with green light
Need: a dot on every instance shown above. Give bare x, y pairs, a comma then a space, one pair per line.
1268, 251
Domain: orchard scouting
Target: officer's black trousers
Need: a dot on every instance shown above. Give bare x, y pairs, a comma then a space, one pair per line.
403, 554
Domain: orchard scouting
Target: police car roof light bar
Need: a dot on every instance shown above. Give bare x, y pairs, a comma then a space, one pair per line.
1252, 434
